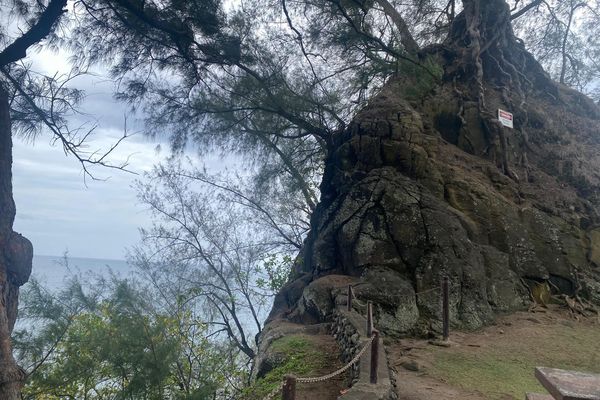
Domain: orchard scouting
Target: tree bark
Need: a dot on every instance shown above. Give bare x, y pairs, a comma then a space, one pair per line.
11, 376
16, 252
17, 50
406, 38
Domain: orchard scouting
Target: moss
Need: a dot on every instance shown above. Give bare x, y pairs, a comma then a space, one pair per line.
300, 357
506, 368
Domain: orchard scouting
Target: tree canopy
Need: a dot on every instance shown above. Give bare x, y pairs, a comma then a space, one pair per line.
274, 81
110, 339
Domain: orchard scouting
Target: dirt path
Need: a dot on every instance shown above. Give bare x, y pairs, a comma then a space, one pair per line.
497, 362
330, 389
423, 387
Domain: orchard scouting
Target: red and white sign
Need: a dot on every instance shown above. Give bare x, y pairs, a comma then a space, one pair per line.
505, 118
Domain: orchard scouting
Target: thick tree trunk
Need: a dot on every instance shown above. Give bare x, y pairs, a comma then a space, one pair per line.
15, 262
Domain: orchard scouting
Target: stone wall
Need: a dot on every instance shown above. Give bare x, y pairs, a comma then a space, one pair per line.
349, 329
349, 339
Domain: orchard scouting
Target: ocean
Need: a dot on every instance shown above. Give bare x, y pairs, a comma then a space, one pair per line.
52, 272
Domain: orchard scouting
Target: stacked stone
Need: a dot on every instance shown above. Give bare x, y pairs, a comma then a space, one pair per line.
349, 341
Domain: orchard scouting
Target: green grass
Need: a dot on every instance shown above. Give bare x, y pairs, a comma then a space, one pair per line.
300, 357
505, 367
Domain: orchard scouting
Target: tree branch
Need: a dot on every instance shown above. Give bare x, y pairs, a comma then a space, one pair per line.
406, 38
42, 28
525, 9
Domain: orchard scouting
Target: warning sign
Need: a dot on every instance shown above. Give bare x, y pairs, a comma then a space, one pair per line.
505, 118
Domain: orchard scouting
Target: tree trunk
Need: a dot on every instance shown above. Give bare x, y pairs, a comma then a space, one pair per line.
15, 262
406, 38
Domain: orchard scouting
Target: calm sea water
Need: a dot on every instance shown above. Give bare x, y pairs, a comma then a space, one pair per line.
52, 271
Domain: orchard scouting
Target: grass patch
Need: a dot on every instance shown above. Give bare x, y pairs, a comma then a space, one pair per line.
300, 356
505, 367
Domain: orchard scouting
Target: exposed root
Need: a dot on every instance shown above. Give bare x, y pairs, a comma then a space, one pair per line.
495, 58
579, 307
496, 132
473, 21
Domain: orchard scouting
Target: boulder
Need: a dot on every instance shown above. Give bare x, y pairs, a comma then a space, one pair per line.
19, 258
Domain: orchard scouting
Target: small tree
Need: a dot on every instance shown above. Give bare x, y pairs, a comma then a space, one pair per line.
206, 246
112, 339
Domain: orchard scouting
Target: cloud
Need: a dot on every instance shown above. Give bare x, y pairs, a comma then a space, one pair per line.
57, 210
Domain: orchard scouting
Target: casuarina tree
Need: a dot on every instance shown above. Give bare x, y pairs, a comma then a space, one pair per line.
16, 251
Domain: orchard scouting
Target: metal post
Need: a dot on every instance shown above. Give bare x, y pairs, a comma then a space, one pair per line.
289, 388
369, 318
349, 302
374, 356
445, 309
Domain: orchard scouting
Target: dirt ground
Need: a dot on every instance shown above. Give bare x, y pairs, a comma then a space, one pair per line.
330, 389
497, 362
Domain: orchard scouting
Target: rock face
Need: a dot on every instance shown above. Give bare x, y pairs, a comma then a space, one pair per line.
410, 195
426, 183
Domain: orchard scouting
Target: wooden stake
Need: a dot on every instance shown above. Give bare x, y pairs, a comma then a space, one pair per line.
289, 388
445, 309
349, 302
374, 356
369, 318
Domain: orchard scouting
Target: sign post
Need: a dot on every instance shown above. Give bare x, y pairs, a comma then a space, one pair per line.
505, 118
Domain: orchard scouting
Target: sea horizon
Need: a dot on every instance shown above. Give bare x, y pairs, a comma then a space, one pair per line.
69, 256
53, 273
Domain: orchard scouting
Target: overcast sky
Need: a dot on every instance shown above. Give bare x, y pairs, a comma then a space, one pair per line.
55, 209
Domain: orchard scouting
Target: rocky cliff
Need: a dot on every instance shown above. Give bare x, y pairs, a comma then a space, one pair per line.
425, 182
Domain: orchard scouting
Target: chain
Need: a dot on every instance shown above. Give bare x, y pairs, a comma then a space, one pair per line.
428, 290
450, 286
360, 303
341, 370
274, 392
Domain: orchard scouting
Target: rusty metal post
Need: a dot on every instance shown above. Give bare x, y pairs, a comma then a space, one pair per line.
369, 318
289, 388
349, 302
374, 356
445, 308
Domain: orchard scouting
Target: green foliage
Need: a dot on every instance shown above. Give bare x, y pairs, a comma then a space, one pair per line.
298, 357
119, 347
278, 270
